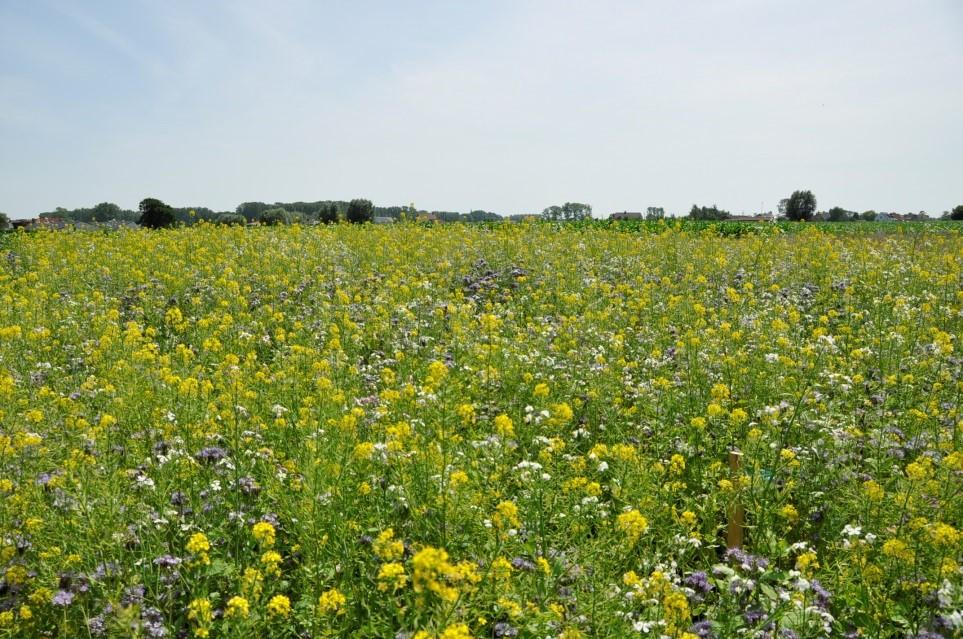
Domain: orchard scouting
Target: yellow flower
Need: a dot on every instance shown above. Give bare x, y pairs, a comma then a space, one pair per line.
386, 547
504, 426
437, 371
331, 602
279, 606
252, 582
919, 469
201, 613
633, 524
364, 450
458, 478
198, 544
506, 515
271, 561
806, 562
431, 571
897, 549
467, 413
676, 611
237, 607
944, 535
873, 490
501, 569
458, 631
789, 513
264, 533
541, 390
561, 413
391, 576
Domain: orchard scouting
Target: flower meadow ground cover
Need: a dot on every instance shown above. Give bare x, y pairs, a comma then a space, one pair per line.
457, 431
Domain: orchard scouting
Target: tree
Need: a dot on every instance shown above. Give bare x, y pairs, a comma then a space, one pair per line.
707, 213
869, 215
272, 217
231, 219
360, 211
655, 213
105, 211
801, 205
569, 212
154, 214
576, 211
4, 221
328, 214
839, 214
252, 210
957, 213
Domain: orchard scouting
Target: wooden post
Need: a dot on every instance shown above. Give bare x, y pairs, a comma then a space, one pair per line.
737, 515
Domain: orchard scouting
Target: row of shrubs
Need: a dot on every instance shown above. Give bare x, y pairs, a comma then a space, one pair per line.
157, 214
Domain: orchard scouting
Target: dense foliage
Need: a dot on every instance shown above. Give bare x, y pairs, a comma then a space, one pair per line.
359, 211
568, 212
155, 214
451, 431
712, 213
801, 205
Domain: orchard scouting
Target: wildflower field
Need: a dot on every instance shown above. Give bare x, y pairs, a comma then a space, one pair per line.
459, 431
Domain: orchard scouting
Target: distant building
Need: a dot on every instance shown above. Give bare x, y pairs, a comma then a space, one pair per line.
763, 217
118, 224
891, 217
51, 223
626, 215
381, 219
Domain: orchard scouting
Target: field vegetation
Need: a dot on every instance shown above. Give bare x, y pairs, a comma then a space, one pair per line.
507, 430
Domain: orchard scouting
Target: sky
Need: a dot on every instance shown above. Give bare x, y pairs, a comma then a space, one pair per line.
505, 106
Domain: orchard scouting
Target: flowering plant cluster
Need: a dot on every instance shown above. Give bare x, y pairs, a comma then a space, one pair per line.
452, 432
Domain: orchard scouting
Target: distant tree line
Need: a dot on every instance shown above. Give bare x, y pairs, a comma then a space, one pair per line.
800, 206
568, 212
321, 211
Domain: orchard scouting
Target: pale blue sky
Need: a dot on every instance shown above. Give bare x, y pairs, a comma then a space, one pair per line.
507, 106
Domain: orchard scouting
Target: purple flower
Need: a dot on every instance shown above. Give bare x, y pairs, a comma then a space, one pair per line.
153, 623
210, 455
822, 595
97, 626
520, 563
133, 595
753, 616
703, 630
105, 570
744, 560
699, 581
63, 598
167, 561
503, 629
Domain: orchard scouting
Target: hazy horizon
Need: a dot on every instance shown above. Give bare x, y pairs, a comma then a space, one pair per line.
509, 107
